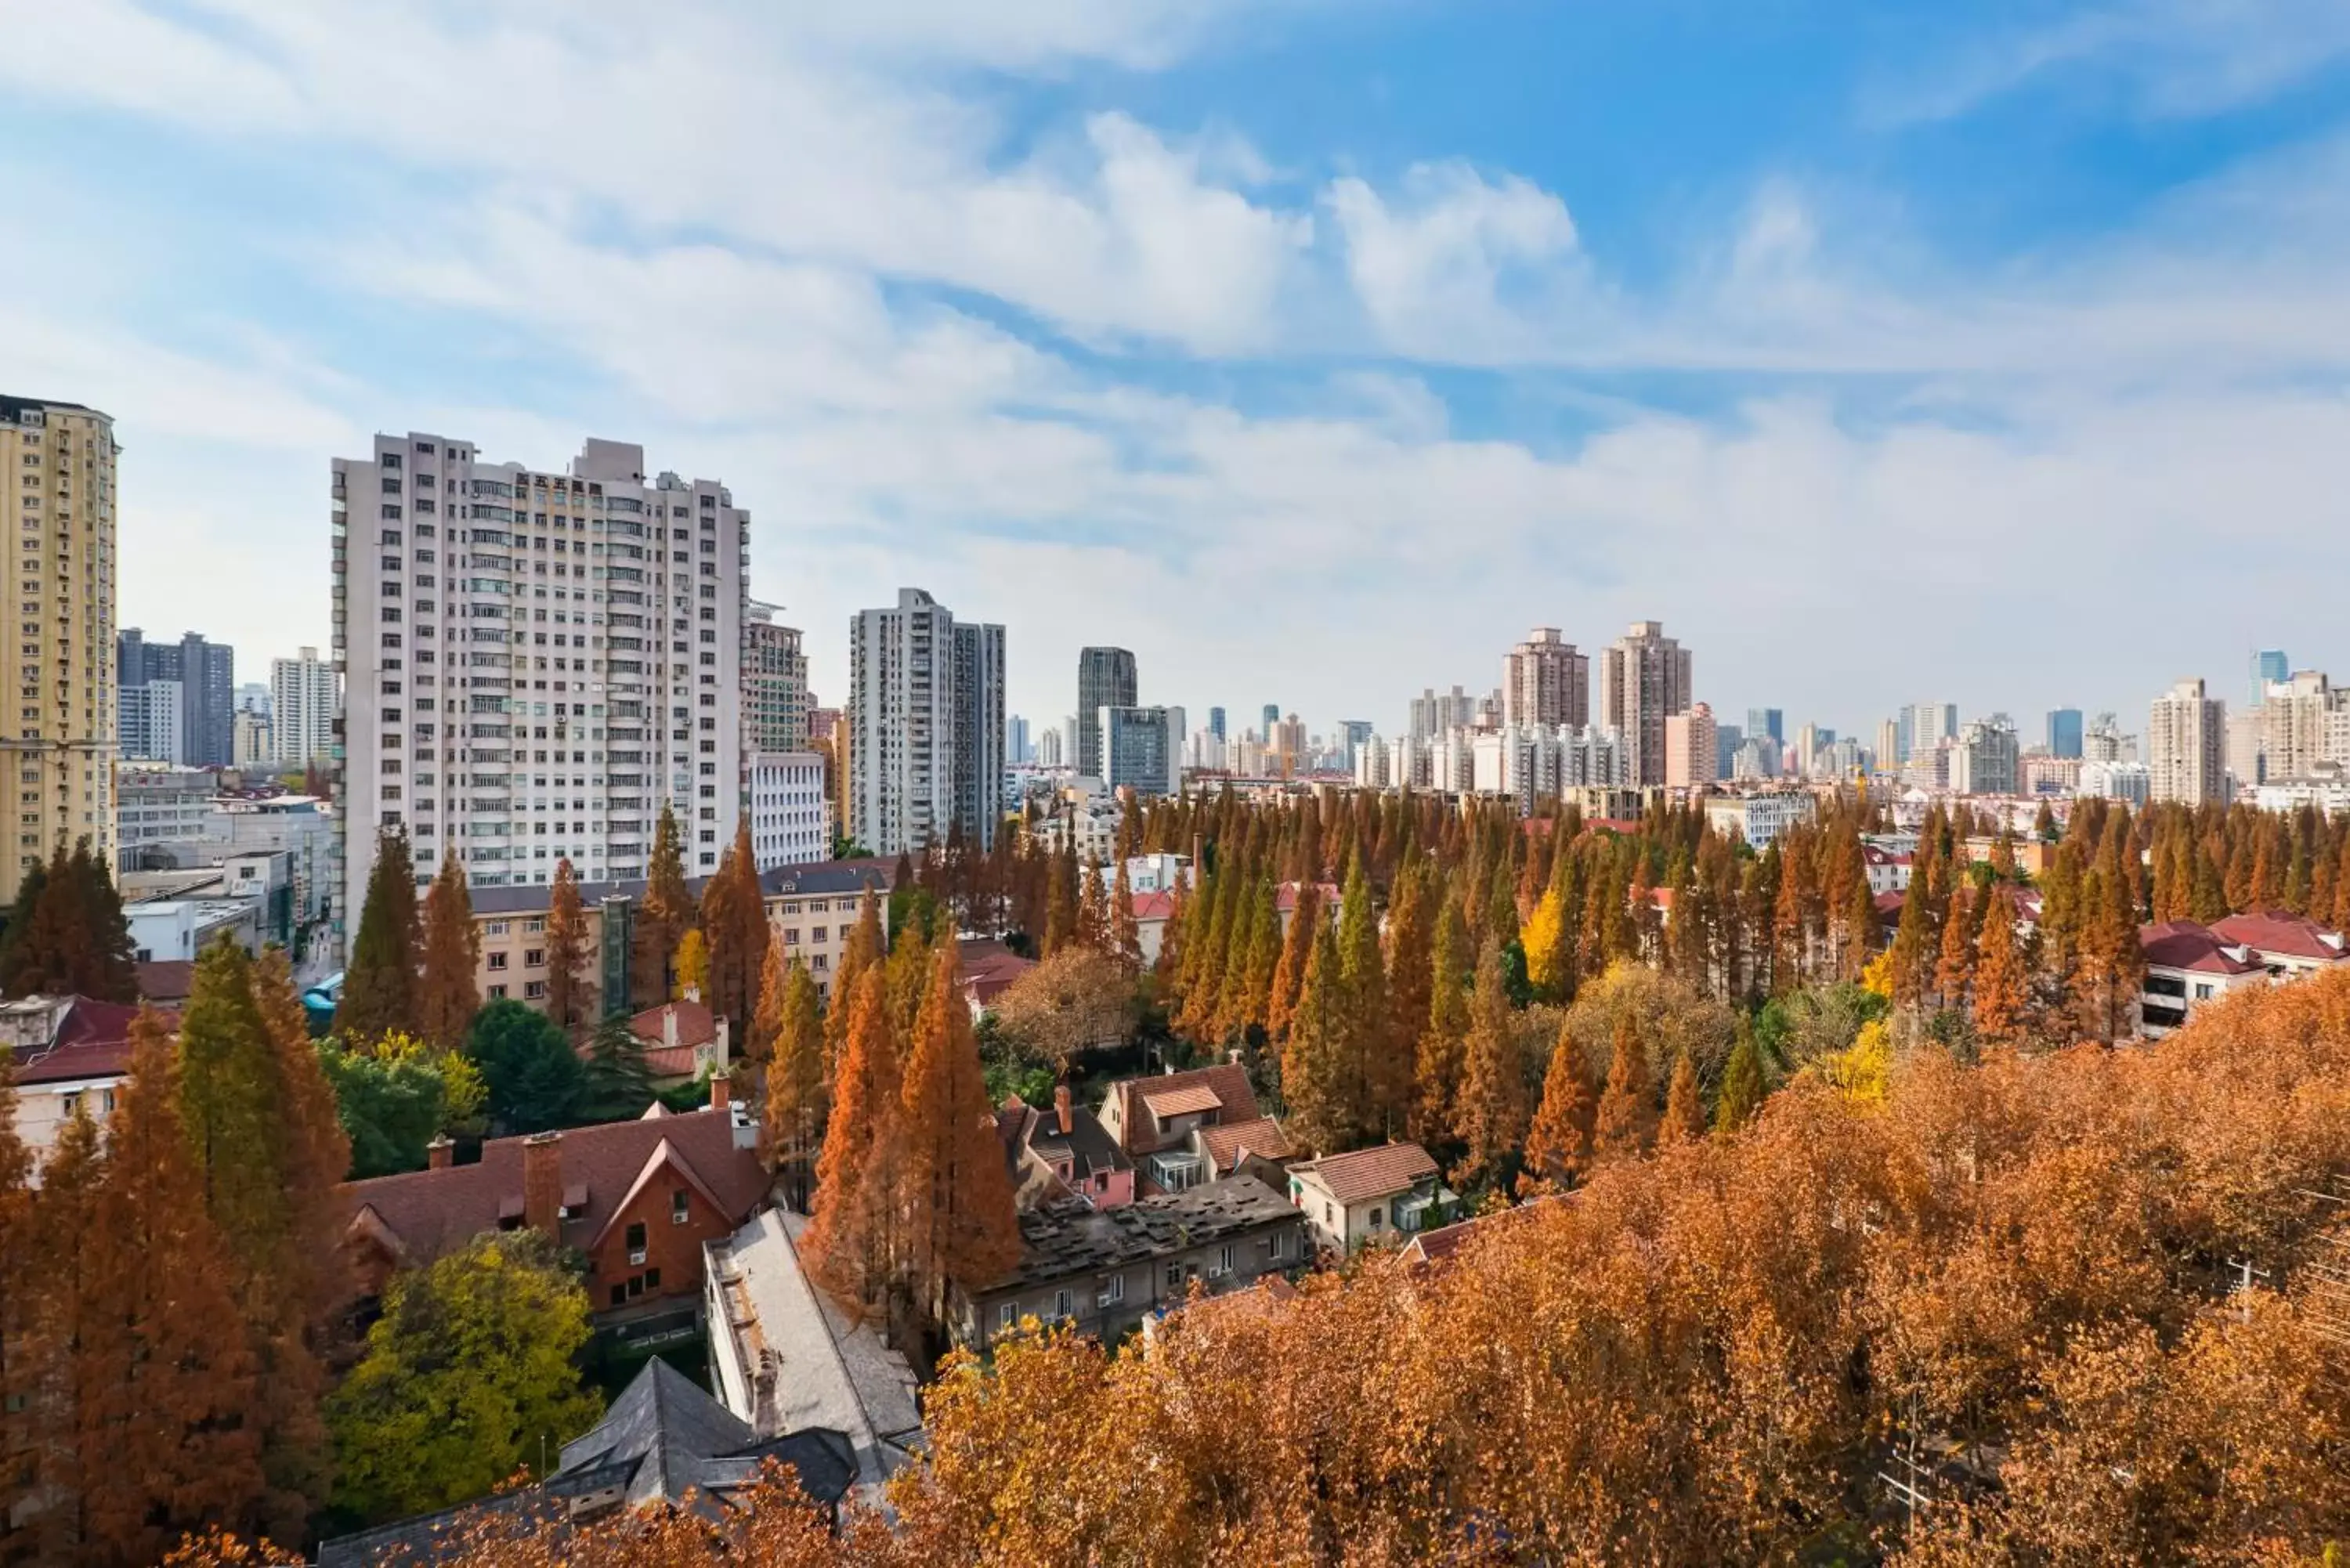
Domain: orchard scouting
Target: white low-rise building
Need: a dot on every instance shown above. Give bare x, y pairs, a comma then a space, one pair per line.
1761, 818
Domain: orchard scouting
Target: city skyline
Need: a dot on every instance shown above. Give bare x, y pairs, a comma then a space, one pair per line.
1767, 343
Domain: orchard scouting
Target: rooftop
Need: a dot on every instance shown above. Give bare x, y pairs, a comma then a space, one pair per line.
823, 877
1070, 1238
2184, 945
1366, 1173
67, 1039
2281, 933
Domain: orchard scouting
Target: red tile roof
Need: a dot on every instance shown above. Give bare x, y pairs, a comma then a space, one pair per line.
1229, 1081
166, 980
696, 1025
1226, 1144
93, 1042
2282, 934
1180, 1101
1159, 906
2183, 944
422, 1215
1369, 1173
988, 970
1436, 1246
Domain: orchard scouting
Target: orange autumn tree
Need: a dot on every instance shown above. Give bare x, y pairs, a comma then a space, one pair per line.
852, 1242
1558, 1149
1628, 1111
961, 1232
1491, 1111
447, 997
788, 1036
570, 993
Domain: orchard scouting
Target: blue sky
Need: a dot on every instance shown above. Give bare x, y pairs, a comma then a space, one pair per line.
1994, 353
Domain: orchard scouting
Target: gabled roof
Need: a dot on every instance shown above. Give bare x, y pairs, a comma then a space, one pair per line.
1159, 905
1074, 1240
431, 1213
92, 1041
1440, 1244
2281, 933
988, 968
1229, 1081
166, 980
1366, 1174
663, 1159
1180, 1102
2184, 945
1226, 1144
696, 1024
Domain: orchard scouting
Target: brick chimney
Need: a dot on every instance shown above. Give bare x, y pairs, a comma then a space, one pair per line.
1061, 1108
541, 1183
440, 1152
669, 1026
720, 1091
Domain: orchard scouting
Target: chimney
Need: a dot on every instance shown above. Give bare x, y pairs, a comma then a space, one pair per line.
541, 1183
719, 1088
1061, 1107
669, 1026
439, 1152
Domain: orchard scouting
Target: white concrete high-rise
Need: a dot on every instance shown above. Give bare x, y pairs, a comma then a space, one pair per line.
535, 664
1644, 679
925, 717
303, 707
2186, 746
790, 817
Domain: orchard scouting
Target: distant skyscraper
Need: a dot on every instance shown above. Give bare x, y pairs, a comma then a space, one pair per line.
1143, 749
303, 707
1015, 742
925, 725
774, 682
252, 697
2268, 664
1433, 715
1644, 679
1932, 723
1727, 739
1545, 682
1891, 746
1271, 717
1771, 721
2064, 731
1692, 748
204, 672
1106, 678
1355, 732
2186, 746
1216, 722
1048, 748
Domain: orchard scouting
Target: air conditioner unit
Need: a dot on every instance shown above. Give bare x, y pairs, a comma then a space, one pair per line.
638, 1256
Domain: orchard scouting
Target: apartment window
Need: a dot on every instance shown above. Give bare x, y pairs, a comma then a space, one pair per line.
636, 1240
535, 989
1225, 1259
497, 993
680, 1206
497, 961
534, 958
1060, 1304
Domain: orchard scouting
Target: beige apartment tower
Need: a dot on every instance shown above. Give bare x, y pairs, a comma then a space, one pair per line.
2186, 746
1545, 682
56, 502
1692, 748
1644, 679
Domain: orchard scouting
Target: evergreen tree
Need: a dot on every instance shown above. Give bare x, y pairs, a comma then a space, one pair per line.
850, 1244
1256, 974
962, 1230
1438, 1073
1913, 945
163, 1393
1126, 943
616, 1083
2002, 994
1684, 1104
1628, 1111
1381, 1067
1491, 1112
74, 940
1558, 1147
534, 1078
16, 940
1410, 966
379, 995
792, 1103
1297, 952
1312, 1063
664, 916
448, 996
570, 993
1743, 1085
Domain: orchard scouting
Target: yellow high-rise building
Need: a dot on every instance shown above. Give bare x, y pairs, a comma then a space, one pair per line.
56, 668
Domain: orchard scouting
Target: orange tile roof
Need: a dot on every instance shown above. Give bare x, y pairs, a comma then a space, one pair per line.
1182, 1101
1263, 1137
1369, 1173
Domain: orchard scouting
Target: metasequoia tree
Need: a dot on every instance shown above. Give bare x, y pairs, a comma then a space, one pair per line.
448, 997
378, 994
664, 916
570, 993
961, 1228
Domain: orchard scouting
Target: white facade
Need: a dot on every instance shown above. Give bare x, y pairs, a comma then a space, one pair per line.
1982, 760
302, 709
1761, 818
147, 722
161, 805
791, 819
2185, 745
925, 717
1531, 762
2130, 783
534, 664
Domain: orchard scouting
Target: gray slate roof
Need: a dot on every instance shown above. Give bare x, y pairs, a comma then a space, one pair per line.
1072, 1239
813, 880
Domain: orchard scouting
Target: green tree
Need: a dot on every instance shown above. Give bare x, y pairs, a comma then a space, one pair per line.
1491, 1112
74, 938
1743, 1085
1436, 1085
391, 1107
378, 994
534, 1078
617, 1083
790, 1028
469, 1376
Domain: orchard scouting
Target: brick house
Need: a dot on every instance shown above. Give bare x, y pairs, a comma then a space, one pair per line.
1184, 1128
1105, 1270
637, 1198
681, 1040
